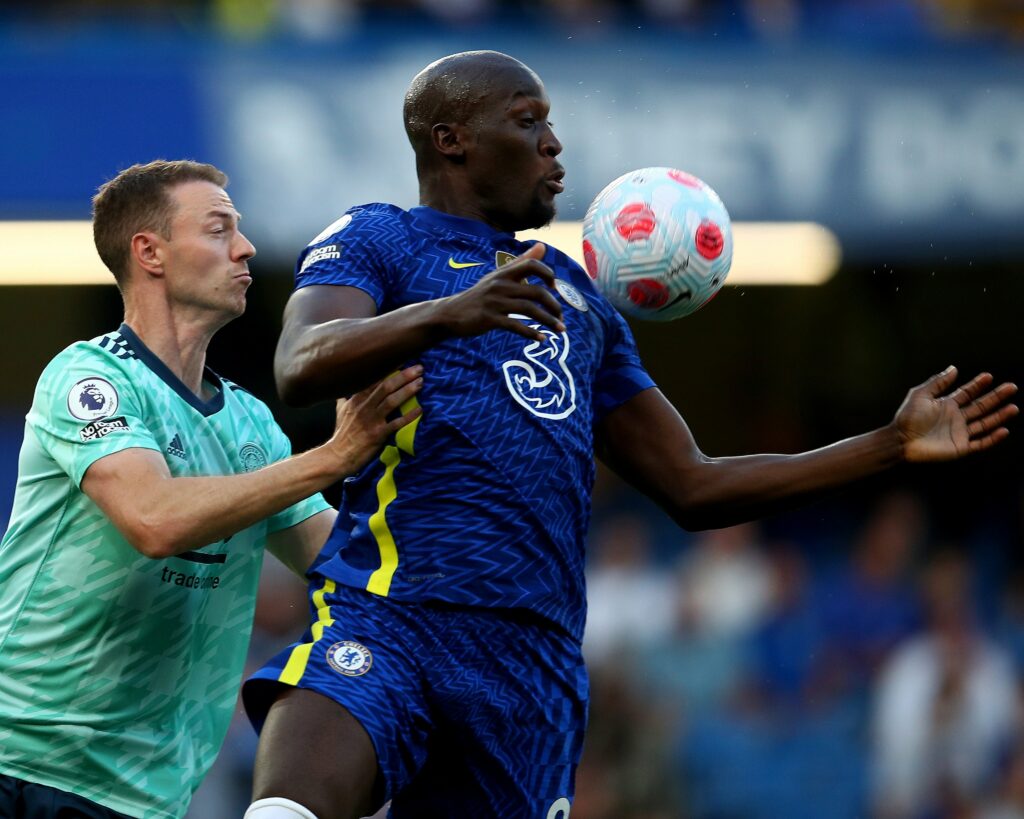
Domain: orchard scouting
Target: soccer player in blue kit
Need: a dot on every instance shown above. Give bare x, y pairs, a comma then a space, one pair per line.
442, 669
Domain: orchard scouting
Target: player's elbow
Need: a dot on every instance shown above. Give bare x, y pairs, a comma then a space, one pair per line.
294, 375
155, 538
701, 509
692, 506
295, 388
290, 391
155, 548
303, 380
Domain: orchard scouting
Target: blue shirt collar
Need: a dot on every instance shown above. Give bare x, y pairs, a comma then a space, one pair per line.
151, 360
458, 224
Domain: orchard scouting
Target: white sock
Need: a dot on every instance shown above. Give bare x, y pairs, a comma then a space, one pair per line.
277, 807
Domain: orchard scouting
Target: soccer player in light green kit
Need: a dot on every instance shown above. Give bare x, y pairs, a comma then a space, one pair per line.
147, 489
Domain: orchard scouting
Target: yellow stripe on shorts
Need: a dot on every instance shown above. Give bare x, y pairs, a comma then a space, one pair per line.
299, 658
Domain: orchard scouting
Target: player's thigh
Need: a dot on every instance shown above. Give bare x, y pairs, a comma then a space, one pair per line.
313, 751
361, 696
531, 730
460, 780
510, 735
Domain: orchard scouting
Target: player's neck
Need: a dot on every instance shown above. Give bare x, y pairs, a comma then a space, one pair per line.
180, 343
450, 200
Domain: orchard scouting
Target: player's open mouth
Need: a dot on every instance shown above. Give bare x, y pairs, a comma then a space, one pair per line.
554, 181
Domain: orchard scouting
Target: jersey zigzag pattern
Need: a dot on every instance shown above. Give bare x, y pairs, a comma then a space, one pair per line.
487, 501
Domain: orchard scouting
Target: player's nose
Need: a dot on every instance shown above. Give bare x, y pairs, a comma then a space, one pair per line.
244, 249
549, 144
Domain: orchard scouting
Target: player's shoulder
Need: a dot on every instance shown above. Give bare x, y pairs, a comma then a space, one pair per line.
87, 380
368, 222
366, 237
108, 353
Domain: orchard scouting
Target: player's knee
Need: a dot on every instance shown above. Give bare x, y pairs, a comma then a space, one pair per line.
277, 807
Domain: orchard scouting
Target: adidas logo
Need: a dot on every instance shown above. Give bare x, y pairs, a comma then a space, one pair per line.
175, 448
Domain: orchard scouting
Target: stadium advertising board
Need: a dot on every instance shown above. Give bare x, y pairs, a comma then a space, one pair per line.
921, 153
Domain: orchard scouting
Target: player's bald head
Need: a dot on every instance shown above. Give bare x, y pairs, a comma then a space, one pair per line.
455, 89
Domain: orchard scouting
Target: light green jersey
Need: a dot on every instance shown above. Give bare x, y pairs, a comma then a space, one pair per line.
119, 673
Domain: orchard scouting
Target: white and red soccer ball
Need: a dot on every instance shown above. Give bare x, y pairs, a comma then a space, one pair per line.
658, 243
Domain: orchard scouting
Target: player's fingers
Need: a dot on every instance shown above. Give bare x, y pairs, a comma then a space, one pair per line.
404, 420
532, 310
520, 269
972, 389
989, 401
541, 271
394, 382
519, 328
993, 438
537, 251
940, 382
394, 400
541, 296
992, 420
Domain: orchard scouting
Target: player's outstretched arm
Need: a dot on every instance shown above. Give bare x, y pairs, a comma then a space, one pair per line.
647, 442
161, 515
334, 343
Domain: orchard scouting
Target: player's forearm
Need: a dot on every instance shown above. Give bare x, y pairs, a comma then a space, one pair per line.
727, 491
298, 546
336, 358
189, 513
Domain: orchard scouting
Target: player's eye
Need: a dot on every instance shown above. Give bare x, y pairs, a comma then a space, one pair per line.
529, 122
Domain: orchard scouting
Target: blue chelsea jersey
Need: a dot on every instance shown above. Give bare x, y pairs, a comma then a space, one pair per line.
485, 500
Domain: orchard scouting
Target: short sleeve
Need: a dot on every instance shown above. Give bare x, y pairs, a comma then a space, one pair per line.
281, 448
350, 252
85, 408
621, 374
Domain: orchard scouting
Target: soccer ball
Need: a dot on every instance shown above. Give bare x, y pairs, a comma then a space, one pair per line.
658, 243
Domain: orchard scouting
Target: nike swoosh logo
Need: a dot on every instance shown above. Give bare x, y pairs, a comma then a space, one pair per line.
686, 294
460, 265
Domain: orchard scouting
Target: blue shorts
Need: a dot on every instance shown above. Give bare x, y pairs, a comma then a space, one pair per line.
20, 799
472, 712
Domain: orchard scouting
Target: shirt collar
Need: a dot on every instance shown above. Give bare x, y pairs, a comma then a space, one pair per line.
458, 224
162, 371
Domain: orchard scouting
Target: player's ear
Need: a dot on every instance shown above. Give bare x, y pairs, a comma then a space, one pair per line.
449, 140
146, 250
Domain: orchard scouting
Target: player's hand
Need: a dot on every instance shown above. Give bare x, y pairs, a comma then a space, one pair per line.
489, 303
935, 424
362, 424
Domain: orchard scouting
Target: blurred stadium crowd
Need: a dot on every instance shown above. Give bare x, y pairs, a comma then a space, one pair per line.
324, 19
765, 676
